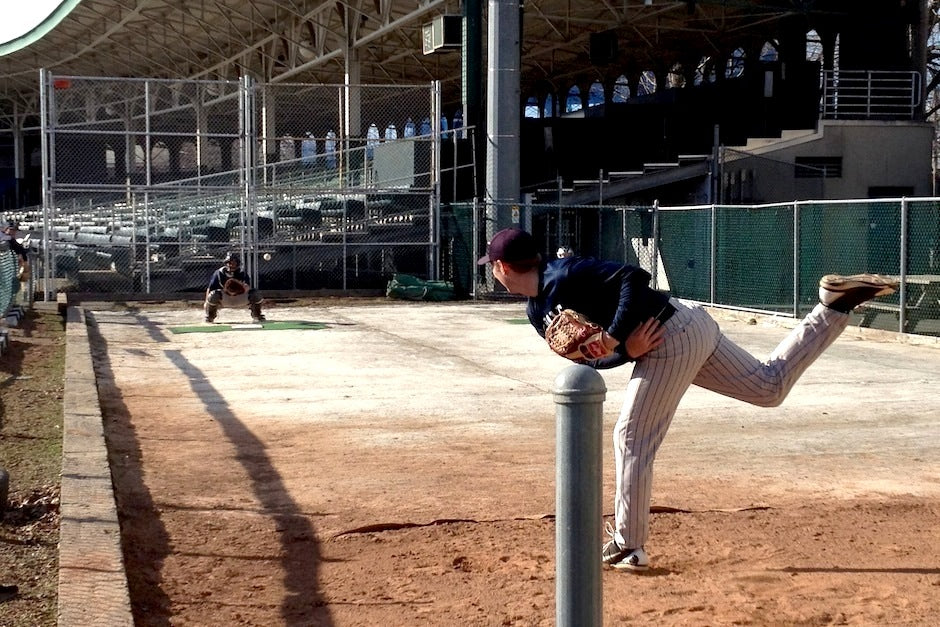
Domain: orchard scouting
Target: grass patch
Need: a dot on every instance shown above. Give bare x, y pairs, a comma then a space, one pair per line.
275, 325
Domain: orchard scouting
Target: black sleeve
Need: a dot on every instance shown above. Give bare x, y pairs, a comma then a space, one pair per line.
632, 282
618, 358
19, 249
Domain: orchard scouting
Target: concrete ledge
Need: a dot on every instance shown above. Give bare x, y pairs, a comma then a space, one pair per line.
92, 581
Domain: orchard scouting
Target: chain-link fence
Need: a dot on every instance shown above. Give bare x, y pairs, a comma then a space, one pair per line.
9, 283
149, 182
762, 258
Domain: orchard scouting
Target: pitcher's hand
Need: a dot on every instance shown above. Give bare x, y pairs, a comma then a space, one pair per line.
645, 338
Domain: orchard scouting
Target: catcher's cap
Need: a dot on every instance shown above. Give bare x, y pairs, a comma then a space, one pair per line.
511, 245
233, 257
11, 224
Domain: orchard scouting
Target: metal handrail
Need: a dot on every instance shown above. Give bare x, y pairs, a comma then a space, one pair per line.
870, 94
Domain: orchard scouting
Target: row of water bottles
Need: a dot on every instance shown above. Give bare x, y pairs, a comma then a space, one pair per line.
309, 152
374, 136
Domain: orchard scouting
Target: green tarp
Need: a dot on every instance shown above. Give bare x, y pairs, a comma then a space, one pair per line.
407, 287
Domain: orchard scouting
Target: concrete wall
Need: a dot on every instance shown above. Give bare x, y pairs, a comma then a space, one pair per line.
874, 154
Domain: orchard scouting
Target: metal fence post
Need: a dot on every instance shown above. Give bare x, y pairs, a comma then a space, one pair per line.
902, 292
713, 260
579, 400
796, 260
654, 262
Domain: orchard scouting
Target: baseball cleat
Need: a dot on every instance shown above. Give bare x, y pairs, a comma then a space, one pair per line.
845, 293
629, 559
637, 561
623, 559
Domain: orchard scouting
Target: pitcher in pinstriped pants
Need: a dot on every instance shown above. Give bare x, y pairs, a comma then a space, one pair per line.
674, 344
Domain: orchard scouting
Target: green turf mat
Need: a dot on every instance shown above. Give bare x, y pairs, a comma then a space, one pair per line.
277, 325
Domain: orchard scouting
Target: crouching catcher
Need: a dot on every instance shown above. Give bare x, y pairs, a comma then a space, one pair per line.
230, 287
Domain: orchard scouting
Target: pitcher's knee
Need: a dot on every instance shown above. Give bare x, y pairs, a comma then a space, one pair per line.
771, 398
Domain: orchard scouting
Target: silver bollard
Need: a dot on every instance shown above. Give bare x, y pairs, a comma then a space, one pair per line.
579, 415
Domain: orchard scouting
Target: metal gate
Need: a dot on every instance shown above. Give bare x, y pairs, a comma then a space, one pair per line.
147, 183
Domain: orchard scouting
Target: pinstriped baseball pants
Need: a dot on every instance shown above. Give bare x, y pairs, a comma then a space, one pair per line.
696, 352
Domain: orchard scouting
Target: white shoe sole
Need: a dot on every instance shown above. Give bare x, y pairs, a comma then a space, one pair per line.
630, 567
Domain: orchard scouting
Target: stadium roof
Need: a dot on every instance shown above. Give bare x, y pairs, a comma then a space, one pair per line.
304, 40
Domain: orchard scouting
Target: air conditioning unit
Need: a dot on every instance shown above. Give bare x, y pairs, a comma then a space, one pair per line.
444, 32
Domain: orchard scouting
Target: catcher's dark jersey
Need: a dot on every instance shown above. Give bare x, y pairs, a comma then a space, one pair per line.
614, 295
220, 276
15, 246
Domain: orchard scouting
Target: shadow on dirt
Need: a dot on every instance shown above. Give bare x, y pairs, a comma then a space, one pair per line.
145, 538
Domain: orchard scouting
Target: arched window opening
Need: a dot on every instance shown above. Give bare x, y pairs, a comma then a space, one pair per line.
596, 94
768, 52
675, 79
647, 84
735, 65
211, 156
573, 102
701, 70
814, 47
548, 109
531, 107
187, 158
159, 158
621, 90
109, 164
138, 159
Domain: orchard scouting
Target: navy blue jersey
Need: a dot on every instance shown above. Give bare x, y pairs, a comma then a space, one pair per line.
220, 276
15, 246
614, 295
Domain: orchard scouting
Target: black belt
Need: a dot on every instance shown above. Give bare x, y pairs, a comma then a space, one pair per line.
665, 313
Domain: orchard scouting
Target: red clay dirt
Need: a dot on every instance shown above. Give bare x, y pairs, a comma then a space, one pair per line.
397, 468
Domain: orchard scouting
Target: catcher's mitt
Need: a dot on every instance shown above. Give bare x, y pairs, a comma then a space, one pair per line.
234, 287
574, 337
